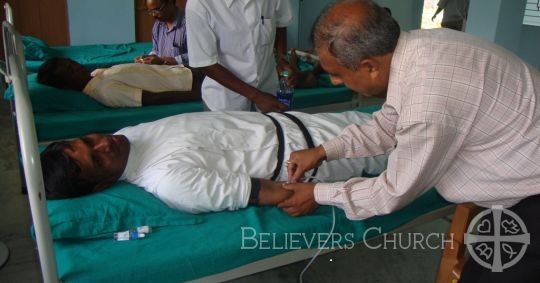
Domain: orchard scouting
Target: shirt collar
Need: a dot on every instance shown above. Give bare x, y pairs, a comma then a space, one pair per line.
177, 21
399, 51
230, 2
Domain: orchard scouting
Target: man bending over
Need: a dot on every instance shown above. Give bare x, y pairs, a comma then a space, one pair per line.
200, 162
125, 85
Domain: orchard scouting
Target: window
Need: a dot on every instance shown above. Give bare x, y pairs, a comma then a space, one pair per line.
532, 13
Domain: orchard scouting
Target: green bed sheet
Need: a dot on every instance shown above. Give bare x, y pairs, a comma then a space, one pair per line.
180, 253
96, 55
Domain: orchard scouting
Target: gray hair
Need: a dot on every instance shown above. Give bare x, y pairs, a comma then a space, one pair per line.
351, 40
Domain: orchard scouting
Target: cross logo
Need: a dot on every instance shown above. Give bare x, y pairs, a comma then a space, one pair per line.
497, 238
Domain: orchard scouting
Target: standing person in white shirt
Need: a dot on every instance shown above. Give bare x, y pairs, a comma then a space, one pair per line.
461, 114
232, 42
197, 162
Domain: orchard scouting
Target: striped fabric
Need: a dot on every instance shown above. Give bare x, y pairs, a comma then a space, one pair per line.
173, 42
462, 114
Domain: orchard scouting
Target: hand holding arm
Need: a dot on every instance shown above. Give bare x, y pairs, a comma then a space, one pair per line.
264, 101
304, 160
302, 201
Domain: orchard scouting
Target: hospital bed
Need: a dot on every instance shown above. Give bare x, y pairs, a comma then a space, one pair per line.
74, 237
67, 113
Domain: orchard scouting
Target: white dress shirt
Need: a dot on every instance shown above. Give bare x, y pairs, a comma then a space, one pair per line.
201, 162
122, 85
463, 115
239, 35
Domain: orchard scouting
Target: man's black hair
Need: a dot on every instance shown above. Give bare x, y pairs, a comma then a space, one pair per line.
61, 174
54, 73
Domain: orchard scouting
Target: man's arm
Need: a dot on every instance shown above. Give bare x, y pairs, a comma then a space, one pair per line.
140, 59
373, 138
271, 193
264, 101
169, 97
191, 187
280, 45
423, 155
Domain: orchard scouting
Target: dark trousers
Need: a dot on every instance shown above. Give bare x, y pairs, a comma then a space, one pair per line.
528, 268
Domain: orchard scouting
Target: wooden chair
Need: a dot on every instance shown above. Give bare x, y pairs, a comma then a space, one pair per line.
454, 256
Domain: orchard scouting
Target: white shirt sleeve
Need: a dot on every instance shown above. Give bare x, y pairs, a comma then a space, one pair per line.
423, 155
284, 13
199, 190
202, 41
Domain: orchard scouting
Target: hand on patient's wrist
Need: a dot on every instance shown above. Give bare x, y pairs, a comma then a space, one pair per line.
321, 153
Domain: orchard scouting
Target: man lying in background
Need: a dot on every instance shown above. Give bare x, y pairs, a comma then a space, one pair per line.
125, 85
201, 162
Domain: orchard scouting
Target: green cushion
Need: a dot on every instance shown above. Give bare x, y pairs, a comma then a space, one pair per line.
119, 208
96, 55
35, 48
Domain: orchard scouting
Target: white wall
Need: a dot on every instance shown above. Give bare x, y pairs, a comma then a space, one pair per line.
101, 21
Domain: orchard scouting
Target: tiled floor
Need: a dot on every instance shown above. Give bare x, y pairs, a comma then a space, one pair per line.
360, 264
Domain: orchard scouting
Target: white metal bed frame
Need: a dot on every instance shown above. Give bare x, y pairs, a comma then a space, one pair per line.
16, 73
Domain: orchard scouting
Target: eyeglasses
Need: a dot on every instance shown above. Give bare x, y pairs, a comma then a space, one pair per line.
158, 10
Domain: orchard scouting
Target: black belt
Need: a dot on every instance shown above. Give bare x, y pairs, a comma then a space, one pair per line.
281, 140
281, 147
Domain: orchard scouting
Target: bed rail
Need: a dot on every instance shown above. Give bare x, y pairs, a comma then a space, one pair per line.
9, 13
16, 71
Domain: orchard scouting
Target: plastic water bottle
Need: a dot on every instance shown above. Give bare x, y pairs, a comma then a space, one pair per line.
285, 93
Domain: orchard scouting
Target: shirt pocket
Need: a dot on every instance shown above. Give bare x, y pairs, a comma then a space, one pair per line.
267, 31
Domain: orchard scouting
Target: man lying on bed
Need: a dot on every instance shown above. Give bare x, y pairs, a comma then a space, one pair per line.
125, 85
200, 162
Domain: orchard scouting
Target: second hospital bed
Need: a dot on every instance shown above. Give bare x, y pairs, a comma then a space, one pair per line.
62, 113
74, 237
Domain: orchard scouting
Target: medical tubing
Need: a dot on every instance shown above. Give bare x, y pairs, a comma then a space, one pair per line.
300, 277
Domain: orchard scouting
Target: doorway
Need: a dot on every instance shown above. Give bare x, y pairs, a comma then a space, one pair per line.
430, 7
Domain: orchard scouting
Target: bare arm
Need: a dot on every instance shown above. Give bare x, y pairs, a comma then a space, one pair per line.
264, 101
280, 43
169, 97
272, 192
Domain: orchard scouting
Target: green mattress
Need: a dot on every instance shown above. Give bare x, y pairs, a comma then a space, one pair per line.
93, 56
213, 243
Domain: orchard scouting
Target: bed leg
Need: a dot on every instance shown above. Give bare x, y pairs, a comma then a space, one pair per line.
454, 258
